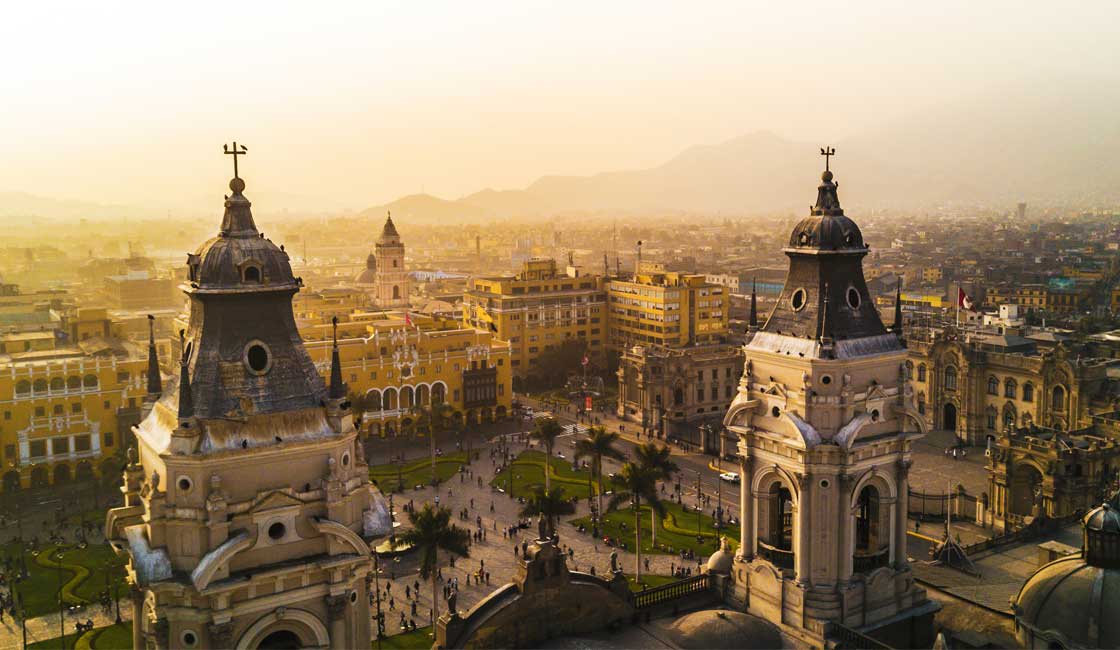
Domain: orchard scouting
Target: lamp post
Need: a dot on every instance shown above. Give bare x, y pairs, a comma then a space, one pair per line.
377, 588
57, 557
699, 507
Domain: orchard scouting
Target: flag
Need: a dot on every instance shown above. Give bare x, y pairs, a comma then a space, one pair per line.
407, 320
585, 360
963, 301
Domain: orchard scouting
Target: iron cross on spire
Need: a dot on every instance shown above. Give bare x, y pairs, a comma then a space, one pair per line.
235, 152
827, 152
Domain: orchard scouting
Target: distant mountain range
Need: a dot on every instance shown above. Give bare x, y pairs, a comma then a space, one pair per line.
1032, 148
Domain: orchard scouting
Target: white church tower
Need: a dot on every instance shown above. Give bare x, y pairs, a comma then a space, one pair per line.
825, 429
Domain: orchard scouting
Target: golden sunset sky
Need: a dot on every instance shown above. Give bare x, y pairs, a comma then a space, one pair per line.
361, 102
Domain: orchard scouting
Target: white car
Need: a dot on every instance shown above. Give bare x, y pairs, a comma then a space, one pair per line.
730, 477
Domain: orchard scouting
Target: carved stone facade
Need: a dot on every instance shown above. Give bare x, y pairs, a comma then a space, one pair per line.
673, 391
825, 428
977, 386
247, 502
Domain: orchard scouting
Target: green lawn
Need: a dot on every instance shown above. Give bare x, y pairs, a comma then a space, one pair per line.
83, 575
676, 530
416, 472
110, 637
649, 581
528, 475
408, 640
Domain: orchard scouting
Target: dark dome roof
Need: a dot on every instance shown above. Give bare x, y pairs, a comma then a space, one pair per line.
716, 629
827, 232
827, 228
1071, 602
1104, 518
240, 257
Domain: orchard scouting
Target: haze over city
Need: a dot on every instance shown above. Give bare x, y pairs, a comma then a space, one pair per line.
612, 325
358, 105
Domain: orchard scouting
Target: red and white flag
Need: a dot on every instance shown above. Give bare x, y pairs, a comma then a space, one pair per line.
963, 301
585, 360
407, 320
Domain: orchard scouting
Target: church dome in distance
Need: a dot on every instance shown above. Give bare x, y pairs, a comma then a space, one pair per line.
1074, 602
368, 275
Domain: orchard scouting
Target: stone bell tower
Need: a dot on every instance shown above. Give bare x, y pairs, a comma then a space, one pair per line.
825, 428
392, 284
247, 504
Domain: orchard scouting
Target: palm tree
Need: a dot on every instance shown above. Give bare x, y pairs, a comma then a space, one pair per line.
656, 458
598, 444
549, 505
634, 483
548, 429
431, 418
431, 532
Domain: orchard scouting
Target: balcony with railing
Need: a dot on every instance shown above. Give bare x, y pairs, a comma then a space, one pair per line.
779, 557
868, 561
672, 591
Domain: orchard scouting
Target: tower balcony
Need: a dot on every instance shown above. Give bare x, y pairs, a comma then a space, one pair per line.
779, 557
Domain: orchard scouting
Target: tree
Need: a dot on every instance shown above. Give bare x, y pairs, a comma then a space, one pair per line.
598, 444
561, 361
432, 532
431, 419
549, 505
634, 483
548, 429
657, 458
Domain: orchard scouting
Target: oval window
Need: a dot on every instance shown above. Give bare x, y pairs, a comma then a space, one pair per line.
277, 530
775, 411
853, 298
826, 379
257, 357
797, 301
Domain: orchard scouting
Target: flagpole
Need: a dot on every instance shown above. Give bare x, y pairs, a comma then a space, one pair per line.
958, 305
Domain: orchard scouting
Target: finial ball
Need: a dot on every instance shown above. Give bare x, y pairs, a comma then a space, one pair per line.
826, 176
237, 185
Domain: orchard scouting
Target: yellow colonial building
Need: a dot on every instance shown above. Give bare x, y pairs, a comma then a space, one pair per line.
667, 308
397, 368
539, 309
67, 409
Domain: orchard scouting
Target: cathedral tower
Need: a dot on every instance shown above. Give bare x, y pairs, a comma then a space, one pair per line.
247, 502
825, 429
392, 284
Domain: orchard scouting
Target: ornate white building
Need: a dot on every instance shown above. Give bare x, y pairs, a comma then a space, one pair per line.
825, 427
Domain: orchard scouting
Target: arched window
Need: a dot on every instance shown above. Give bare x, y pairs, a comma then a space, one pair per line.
993, 385
1009, 417
921, 372
40, 385
950, 378
678, 396
23, 387
780, 528
89, 381
396, 292
909, 369
58, 383
867, 520
1010, 388
439, 392
252, 274
73, 382
922, 403
1028, 392
990, 418
373, 400
1058, 399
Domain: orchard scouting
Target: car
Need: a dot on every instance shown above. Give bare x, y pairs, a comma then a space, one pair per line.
730, 477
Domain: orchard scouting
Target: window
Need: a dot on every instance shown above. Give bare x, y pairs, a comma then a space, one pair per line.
107, 439
60, 445
699, 394
922, 372
1009, 388
950, 378
909, 369
76, 407
107, 405
58, 409
252, 274
81, 443
990, 418
38, 448
10, 452
1008, 417
867, 520
715, 373
40, 411
455, 395
23, 387
1058, 399
727, 391
1028, 392
122, 377
993, 386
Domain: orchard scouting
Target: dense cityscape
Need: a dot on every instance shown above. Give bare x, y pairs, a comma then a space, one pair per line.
649, 393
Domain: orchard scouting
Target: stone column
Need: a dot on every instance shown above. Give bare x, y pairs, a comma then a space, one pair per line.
336, 613
747, 527
138, 614
804, 540
844, 548
902, 469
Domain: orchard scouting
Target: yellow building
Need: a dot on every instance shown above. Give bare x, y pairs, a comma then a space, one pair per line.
396, 369
67, 410
666, 308
539, 309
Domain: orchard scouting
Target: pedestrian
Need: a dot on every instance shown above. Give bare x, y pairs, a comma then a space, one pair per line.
392, 604
407, 591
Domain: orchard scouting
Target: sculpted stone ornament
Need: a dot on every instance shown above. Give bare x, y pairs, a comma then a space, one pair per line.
542, 528
452, 601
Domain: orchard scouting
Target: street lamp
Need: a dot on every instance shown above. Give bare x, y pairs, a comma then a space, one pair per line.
57, 557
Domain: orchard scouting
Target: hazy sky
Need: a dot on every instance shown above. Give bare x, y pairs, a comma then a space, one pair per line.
362, 102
